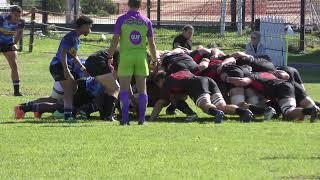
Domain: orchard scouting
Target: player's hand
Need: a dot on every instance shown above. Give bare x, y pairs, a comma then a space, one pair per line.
153, 65
14, 47
68, 75
84, 70
239, 82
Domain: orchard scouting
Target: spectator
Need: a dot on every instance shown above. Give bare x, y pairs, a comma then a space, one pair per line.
184, 39
255, 48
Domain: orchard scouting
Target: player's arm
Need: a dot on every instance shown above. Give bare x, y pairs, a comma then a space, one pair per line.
114, 41
204, 64
66, 70
153, 51
76, 61
17, 38
230, 60
113, 47
152, 46
239, 82
157, 109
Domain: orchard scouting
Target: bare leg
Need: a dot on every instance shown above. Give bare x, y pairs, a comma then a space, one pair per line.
11, 57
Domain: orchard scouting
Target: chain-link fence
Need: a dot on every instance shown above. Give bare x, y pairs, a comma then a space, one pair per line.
170, 15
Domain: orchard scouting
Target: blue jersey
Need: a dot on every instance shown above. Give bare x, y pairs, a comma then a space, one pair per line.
93, 86
70, 42
8, 29
75, 68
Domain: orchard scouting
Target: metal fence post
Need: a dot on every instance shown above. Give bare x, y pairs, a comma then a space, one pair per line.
302, 25
252, 15
76, 7
21, 39
44, 5
243, 14
148, 8
33, 17
158, 13
233, 9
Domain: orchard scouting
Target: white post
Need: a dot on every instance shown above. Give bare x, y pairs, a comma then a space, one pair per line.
239, 15
69, 13
223, 17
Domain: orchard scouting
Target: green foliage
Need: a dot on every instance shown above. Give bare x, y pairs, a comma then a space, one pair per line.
99, 7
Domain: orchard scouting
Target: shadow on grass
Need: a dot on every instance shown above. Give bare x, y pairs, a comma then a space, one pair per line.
312, 57
53, 122
200, 120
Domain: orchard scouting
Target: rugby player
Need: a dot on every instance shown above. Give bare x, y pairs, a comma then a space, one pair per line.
133, 30
11, 31
61, 66
203, 91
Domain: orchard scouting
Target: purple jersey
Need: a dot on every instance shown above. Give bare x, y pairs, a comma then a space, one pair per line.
133, 29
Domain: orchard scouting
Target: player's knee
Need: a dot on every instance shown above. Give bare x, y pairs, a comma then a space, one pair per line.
217, 99
287, 105
307, 102
203, 102
237, 99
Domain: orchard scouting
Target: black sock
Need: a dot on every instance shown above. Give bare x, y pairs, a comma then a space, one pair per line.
171, 108
213, 111
27, 107
308, 111
16, 86
67, 113
317, 103
110, 102
184, 107
240, 111
89, 108
256, 110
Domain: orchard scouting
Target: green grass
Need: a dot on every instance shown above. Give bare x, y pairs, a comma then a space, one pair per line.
166, 149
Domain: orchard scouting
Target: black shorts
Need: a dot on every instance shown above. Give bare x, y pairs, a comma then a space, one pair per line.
282, 90
7, 47
82, 96
293, 73
57, 72
182, 65
200, 86
299, 92
97, 66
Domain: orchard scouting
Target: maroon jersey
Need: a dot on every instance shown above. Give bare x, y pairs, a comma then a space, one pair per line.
184, 82
197, 56
179, 62
211, 71
257, 64
265, 83
177, 83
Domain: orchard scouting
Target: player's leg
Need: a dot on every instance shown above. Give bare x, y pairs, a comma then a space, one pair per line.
141, 73
143, 97
285, 93
204, 103
44, 107
218, 100
112, 89
11, 57
238, 97
69, 86
305, 101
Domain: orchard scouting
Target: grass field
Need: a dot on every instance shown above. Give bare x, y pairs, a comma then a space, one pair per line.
165, 149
